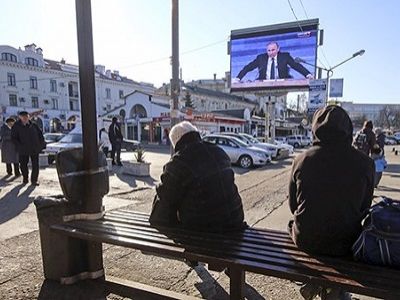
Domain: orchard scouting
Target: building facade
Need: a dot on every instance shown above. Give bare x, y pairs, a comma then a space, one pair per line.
49, 89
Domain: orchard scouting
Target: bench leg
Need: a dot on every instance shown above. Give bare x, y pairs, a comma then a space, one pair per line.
237, 283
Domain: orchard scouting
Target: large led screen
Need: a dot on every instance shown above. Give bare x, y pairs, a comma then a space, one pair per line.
269, 60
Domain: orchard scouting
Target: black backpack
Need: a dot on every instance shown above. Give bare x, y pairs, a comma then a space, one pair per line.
379, 242
360, 141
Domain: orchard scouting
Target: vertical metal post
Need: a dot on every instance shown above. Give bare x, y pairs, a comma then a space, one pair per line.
87, 97
91, 203
273, 117
328, 76
175, 88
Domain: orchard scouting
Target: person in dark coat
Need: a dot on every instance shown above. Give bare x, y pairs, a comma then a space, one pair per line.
30, 142
380, 139
197, 189
9, 154
331, 189
369, 139
116, 138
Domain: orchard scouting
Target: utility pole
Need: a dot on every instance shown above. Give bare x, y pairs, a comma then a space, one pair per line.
175, 86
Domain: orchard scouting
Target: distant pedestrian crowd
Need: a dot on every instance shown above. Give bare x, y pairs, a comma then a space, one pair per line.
21, 141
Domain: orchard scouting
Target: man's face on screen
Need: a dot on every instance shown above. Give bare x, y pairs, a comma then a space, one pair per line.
272, 50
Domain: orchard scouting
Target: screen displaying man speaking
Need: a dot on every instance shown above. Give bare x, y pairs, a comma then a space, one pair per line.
279, 60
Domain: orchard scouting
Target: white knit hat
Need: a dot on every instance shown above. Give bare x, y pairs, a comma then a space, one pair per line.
179, 130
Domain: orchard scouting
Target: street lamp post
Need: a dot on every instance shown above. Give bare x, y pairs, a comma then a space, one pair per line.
329, 72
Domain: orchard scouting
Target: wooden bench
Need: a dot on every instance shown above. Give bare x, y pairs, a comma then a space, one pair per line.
261, 251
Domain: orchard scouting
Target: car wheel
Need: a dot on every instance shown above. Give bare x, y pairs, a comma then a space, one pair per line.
245, 162
296, 145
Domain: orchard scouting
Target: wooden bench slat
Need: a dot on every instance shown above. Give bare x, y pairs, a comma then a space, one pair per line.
373, 289
238, 235
323, 270
270, 251
248, 232
146, 216
293, 250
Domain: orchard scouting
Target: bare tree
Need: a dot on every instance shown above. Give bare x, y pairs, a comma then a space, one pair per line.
388, 118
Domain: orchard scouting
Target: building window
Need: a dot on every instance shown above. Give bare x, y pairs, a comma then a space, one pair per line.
53, 86
8, 57
54, 103
121, 94
35, 102
33, 82
13, 100
11, 79
108, 93
31, 61
74, 105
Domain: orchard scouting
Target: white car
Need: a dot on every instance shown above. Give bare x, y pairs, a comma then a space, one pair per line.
276, 151
239, 152
74, 140
288, 147
71, 140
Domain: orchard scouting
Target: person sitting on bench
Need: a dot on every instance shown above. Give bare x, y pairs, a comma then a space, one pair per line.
331, 189
197, 189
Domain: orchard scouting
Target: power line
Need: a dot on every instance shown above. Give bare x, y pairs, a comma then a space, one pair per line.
305, 12
294, 14
168, 57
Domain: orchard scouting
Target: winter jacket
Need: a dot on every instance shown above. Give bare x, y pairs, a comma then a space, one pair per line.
380, 140
331, 187
115, 133
197, 189
9, 152
28, 138
370, 140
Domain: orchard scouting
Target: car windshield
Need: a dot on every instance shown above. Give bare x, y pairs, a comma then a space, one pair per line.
72, 138
239, 142
251, 139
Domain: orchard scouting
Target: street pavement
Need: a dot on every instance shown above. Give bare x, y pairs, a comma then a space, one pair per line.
264, 194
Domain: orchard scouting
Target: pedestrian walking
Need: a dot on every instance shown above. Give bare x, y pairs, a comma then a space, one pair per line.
380, 139
30, 142
116, 138
365, 138
9, 154
104, 141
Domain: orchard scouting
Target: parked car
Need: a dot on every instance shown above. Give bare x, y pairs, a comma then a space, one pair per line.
390, 140
250, 140
239, 152
74, 140
278, 151
288, 147
53, 137
281, 139
298, 141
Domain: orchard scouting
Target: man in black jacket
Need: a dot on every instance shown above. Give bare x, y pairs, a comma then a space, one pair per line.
274, 65
115, 136
331, 187
29, 140
197, 189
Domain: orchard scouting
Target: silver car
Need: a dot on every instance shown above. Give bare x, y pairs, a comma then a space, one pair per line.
239, 152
